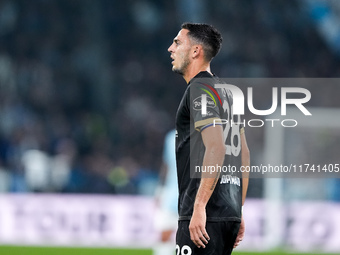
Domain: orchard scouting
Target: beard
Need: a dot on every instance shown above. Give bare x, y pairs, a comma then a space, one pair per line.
183, 67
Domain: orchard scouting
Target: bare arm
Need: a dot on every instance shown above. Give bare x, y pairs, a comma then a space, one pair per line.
214, 155
245, 158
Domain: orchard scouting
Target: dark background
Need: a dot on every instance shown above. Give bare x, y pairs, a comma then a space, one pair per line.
88, 83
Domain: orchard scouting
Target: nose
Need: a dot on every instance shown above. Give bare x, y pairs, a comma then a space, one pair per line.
170, 49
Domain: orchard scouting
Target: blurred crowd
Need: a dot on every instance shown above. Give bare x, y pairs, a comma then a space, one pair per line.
87, 93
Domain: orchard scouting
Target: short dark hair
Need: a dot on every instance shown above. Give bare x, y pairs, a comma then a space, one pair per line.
207, 35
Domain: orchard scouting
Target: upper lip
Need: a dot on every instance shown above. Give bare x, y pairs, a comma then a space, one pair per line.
172, 57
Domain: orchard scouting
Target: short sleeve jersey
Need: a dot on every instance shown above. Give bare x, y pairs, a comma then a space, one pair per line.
226, 200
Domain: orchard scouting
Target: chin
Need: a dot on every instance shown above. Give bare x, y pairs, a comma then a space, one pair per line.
175, 70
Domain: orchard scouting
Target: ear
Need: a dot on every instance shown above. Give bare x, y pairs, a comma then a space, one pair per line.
197, 51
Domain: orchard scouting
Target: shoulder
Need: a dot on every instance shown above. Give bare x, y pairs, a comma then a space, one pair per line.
202, 85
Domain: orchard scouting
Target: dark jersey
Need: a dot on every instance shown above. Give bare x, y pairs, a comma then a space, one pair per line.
226, 200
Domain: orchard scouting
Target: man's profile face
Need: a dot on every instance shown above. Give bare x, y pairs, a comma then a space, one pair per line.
180, 49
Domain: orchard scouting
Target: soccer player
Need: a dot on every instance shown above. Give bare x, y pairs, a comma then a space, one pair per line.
210, 207
166, 214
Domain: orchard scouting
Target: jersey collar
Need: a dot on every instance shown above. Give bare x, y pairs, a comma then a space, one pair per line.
202, 74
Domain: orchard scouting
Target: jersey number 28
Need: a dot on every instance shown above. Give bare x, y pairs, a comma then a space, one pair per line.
233, 143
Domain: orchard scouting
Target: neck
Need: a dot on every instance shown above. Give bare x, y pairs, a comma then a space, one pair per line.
193, 70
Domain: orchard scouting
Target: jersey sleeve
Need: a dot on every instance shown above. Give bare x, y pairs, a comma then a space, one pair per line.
204, 113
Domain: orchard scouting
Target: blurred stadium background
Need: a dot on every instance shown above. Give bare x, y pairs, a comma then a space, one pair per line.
87, 96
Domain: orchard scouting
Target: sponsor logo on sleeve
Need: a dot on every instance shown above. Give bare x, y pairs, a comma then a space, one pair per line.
197, 103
